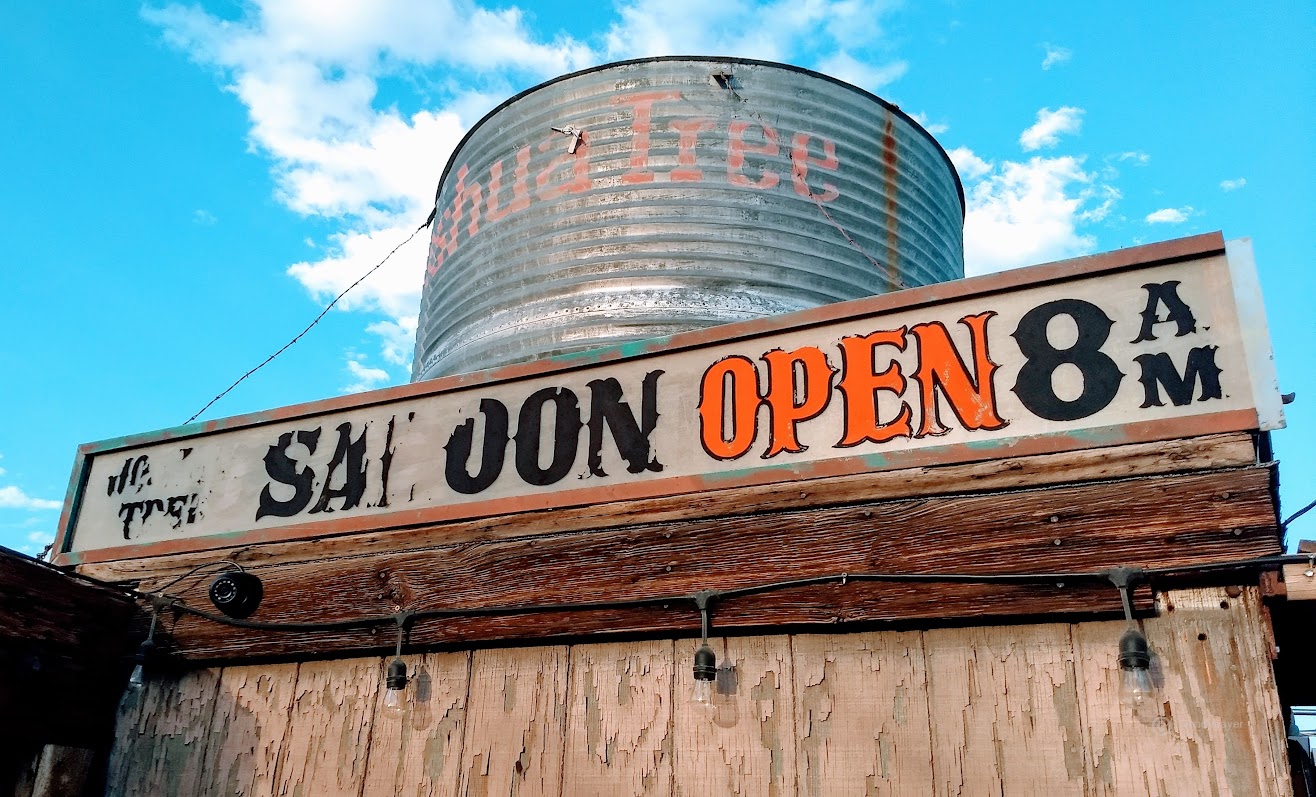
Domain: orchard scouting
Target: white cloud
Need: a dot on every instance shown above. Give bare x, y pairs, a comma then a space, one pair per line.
36, 542
1138, 158
1055, 55
1030, 212
1233, 185
1050, 126
844, 66
969, 165
1169, 215
203, 217
365, 377
777, 31
935, 128
309, 74
398, 340
12, 497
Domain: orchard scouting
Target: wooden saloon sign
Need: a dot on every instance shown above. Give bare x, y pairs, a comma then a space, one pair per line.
1137, 345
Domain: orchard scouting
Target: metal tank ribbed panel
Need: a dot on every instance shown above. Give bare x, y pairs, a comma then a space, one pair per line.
701, 191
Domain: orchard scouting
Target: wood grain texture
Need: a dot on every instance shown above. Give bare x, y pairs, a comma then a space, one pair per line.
619, 724
328, 736
746, 743
1298, 586
161, 737
1113, 462
63, 771
515, 723
248, 730
1005, 712
419, 754
62, 643
862, 715
1161, 520
1216, 728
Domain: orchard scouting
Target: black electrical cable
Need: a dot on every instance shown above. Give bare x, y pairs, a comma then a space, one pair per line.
1297, 515
1116, 576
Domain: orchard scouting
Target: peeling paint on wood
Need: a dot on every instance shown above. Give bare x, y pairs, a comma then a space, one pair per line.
419, 753
251, 724
744, 745
515, 723
1015, 710
1004, 709
329, 729
619, 729
1216, 728
863, 715
162, 734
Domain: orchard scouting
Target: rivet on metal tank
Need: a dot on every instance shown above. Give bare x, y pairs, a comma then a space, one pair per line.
645, 198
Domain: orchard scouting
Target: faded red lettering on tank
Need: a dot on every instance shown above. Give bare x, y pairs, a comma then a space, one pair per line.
801, 160
686, 171
565, 173
641, 126
545, 187
520, 189
736, 149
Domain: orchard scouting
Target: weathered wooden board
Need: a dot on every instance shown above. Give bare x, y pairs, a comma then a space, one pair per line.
1216, 728
619, 721
1298, 586
63, 771
64, 643
744, 743
252, 710
862, 715
516, 723
1185, 519
328, 737
161, 736
1007, 473
1005, 712
1017, 710
419, 754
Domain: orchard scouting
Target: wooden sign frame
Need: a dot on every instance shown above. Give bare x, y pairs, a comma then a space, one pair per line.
1260, 411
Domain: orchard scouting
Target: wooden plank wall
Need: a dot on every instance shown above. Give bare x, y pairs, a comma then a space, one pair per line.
1018, 710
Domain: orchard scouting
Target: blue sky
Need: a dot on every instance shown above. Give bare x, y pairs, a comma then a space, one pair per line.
185, 186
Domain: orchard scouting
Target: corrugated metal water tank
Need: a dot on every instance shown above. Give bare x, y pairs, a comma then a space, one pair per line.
651, 197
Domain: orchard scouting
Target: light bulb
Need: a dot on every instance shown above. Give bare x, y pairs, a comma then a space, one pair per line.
705, 671
702, 696
1137, 689
144, 652
395, 685
395, 702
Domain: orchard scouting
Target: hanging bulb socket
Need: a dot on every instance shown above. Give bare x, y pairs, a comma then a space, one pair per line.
396, 679
1135, 653
144, 653
236, 593
705, 663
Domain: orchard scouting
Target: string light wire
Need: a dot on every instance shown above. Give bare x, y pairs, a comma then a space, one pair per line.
317, 320
1117, 577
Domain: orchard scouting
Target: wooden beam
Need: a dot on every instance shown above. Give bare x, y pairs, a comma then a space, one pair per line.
64, 648
1151, 521
1115, 462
